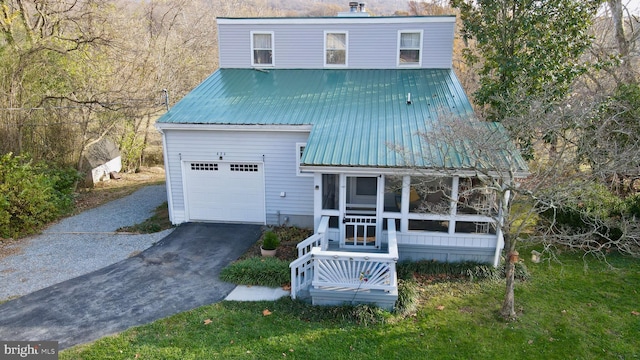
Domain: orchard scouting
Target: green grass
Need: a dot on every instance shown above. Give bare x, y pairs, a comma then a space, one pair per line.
157, 222
566, 311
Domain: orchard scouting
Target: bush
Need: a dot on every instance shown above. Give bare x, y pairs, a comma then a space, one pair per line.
270, 240
408, 293
32, 194
258, 271
590, 206
465, 270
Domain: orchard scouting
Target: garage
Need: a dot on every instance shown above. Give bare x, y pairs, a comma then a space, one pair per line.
225, 191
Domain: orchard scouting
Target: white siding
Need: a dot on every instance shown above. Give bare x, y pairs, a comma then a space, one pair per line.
301, 45
276, 149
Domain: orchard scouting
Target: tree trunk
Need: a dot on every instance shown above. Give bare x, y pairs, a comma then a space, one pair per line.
508, 306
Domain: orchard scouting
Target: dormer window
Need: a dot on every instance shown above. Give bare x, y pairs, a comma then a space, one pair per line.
335, 45
409, 48
262, 48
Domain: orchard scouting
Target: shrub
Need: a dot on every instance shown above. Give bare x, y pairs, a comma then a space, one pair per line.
33, 194
257, 271
588, 207
408, 292
270, 240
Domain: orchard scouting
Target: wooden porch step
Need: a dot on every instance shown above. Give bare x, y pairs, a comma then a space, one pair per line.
335, 296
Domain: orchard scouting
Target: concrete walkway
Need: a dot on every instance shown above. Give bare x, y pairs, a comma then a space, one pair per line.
177, 274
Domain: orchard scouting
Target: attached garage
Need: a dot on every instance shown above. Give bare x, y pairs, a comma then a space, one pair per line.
224, 191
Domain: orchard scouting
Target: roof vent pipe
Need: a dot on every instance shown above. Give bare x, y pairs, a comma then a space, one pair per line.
353, 6
362, 9
408, 98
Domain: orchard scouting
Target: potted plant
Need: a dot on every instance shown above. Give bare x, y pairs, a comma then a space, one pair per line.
270, 243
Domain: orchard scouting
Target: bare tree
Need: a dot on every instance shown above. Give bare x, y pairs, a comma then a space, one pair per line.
558, 182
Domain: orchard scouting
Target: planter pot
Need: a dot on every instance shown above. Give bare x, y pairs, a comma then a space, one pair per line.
268, 253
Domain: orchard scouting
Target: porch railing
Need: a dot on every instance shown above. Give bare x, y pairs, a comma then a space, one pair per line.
345, 269
318, 239
302, 268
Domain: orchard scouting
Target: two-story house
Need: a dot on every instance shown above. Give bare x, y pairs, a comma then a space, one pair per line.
301, 125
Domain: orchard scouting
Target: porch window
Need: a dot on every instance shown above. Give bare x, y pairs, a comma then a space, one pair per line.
335, 45
262, 48
468, 227
430, 195
330, 191
429, 225
393, 194
409, 48
475, 197
362, 194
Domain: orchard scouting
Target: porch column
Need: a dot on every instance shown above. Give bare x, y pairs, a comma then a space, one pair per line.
453, 204
404, 211
317, 200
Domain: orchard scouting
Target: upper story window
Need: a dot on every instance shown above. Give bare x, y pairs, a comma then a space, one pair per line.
262, 48
335, 48
299, 151
410, 48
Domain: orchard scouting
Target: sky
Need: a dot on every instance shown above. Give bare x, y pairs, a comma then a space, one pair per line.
633, 5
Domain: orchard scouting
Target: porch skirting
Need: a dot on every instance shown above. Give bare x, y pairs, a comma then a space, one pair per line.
412, 252
335, 296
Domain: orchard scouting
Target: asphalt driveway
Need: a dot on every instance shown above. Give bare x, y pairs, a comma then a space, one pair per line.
179, 273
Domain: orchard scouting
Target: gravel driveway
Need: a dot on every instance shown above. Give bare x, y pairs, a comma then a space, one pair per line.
81, 244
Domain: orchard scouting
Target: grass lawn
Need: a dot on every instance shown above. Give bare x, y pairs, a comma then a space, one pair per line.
567, 311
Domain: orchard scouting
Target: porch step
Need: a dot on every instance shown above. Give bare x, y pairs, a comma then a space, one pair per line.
335, 296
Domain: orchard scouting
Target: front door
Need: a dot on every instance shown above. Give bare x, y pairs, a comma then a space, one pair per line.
359, 213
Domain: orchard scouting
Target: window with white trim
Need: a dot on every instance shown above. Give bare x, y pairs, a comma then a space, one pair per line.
335, 48
299, 151
262, 48
410, 48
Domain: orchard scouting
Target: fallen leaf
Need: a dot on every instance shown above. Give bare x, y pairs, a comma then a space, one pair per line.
286, 287
137, 356
564, 311
266, 312
552, 339
635, 313
440, 307
530, 342
290, 350
208, 321
231, 342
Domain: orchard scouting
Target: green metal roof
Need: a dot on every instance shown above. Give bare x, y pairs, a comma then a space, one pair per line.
357, 116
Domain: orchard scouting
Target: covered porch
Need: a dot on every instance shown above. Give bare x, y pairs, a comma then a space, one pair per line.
366, 223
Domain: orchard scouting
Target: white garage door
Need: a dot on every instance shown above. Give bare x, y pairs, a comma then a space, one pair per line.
223, 191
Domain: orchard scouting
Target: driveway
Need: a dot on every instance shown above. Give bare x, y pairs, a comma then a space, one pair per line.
179, 273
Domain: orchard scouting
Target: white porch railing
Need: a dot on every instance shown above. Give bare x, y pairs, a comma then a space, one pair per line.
349, 270
302, 268
318, 239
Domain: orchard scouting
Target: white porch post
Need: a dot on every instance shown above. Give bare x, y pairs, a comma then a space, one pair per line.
317, 200
379, 207
404, 211
453, 204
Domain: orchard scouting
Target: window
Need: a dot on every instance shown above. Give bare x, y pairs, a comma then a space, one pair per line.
409, 48
335, 46
262, 49
204, 166
244, 167
299, 151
